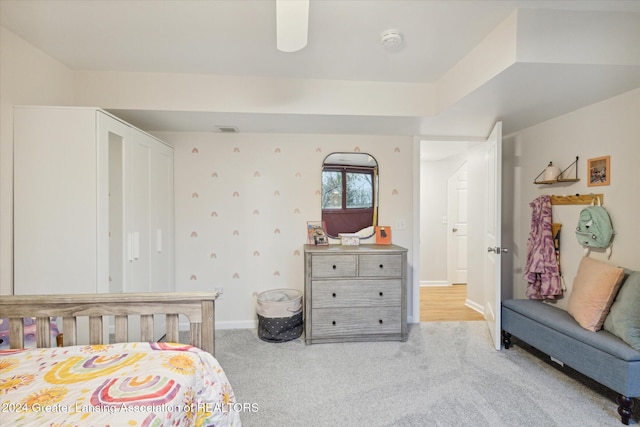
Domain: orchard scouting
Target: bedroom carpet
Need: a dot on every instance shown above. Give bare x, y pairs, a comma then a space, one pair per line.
446, 374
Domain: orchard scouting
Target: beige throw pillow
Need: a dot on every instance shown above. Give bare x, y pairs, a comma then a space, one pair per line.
594, 289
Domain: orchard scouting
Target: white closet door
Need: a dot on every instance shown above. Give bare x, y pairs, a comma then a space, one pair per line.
161, 218
112, 137
148, 186
137, 213
55, 183
149, 215
161, 225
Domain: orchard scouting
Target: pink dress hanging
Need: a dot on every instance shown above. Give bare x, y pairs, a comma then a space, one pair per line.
541, 270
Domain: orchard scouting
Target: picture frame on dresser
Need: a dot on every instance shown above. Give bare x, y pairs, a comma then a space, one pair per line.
316, 233
383, 235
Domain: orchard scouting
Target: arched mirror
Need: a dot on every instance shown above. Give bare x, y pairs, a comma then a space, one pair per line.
349, 193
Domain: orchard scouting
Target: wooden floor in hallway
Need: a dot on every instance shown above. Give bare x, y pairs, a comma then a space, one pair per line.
445, 303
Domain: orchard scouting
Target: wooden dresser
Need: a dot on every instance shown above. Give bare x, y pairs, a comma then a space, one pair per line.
355, 293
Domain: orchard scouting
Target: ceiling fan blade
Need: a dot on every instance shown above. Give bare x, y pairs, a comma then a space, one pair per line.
292, 24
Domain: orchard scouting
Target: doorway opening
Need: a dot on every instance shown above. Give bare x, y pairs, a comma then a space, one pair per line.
444, 293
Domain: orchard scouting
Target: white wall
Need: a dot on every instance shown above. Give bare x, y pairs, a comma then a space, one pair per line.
242, 202
27, 77
610, 127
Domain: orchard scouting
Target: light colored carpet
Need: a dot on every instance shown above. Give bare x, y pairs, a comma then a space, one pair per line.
446, 374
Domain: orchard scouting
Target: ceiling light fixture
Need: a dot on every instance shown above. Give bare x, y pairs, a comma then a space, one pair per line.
292, 24
391, 40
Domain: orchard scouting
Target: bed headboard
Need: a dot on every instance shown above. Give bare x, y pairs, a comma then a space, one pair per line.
198, 307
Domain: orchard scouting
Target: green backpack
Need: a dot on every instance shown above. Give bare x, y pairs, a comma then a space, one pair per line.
594, 228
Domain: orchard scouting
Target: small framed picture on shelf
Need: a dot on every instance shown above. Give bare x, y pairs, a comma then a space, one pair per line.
316, 234
599, 170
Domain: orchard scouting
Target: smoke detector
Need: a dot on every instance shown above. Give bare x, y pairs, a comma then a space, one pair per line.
391, 39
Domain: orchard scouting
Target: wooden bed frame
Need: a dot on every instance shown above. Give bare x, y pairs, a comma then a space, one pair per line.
199, 307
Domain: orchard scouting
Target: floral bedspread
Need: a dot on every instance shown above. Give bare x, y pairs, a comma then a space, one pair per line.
128, 384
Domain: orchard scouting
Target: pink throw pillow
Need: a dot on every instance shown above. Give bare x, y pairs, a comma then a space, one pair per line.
594, 289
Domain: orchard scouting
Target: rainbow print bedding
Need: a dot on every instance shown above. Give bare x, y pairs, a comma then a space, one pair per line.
127, 384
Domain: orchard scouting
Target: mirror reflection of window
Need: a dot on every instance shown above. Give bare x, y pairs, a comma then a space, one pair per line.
359, 189
331, 189
349, 198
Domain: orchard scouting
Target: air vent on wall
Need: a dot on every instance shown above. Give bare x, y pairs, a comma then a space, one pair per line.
226, 129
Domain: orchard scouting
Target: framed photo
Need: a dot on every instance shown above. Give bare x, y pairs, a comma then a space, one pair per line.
316, 233
599, 170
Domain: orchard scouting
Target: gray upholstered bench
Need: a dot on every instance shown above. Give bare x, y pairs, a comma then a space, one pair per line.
598, 355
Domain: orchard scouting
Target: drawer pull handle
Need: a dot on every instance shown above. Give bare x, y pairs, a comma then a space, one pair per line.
333, 323
334, 266
334, 294
381, 294
380, 321
381, 266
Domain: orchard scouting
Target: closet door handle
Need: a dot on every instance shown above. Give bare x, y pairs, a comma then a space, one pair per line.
130, 247
136, 245
159, 240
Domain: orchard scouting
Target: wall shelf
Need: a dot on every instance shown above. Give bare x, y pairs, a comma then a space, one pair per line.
559, 178
577, 199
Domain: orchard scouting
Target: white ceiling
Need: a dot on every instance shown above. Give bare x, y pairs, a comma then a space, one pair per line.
238, 38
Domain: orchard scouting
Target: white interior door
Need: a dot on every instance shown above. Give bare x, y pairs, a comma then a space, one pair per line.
137, 180
458, 221
113, 136
492, 264
150, 207
161, 218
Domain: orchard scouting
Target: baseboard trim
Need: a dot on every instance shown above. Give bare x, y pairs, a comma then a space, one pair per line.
434, 283
243, 324
246, 324
474, 306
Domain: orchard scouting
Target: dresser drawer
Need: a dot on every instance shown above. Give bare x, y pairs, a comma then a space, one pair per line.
333, 265
380, 265
356, 293
336, 322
